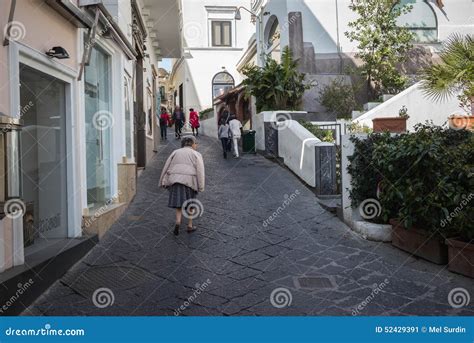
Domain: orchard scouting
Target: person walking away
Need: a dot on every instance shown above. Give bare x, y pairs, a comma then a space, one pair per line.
194, 121
164, 122
223, 134
178, 118
183, 175
235, 127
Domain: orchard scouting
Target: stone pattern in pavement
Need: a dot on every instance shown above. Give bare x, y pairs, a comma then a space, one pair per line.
234, 262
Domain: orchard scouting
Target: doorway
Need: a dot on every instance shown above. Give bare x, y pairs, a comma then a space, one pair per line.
44, 154
99, 122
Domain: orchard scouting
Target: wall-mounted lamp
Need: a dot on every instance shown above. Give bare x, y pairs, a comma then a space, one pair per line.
58, 52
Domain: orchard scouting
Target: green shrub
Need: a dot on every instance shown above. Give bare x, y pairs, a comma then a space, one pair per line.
425, 178
276, 86
325, 135
338, 98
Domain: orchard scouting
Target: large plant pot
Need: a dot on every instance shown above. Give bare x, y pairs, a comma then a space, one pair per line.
461, 257
390, 124
461, 122
419, 242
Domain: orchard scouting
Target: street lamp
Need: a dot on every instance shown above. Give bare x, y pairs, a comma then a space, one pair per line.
254, 18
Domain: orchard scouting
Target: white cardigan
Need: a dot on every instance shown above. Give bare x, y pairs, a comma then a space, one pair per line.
184, 166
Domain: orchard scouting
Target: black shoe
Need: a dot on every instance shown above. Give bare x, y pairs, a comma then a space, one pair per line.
176, 230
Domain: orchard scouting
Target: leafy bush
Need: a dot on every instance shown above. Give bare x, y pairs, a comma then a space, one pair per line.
425, 178
338, 98
323, 134
276, 86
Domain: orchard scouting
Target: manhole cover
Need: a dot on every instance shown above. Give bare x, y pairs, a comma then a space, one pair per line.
314, 282
134, 218
117, 277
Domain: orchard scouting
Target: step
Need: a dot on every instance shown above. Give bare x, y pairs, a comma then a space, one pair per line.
101, 219
41, 269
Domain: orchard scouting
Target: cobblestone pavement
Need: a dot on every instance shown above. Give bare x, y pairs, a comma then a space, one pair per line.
263, 247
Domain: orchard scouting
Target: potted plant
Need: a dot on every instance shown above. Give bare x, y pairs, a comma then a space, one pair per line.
454, 75
461, 247
392, 124
417, 199
459, 218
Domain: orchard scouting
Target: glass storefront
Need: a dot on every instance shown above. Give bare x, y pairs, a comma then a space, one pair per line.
128, 119
43, 154
99, 123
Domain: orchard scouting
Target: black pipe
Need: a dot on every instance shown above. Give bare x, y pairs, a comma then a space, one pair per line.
6, 39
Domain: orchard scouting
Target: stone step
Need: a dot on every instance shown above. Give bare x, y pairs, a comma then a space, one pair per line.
99, 221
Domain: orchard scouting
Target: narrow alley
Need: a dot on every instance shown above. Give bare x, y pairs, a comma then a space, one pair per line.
263, 247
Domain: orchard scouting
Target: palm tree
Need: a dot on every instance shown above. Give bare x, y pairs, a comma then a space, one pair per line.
455, 72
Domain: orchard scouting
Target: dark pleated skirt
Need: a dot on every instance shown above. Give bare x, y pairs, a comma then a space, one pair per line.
179, 193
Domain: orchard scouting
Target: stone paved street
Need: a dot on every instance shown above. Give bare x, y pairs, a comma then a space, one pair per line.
234, 262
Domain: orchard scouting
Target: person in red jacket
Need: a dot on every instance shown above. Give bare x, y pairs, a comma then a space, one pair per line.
164, 122
194, 121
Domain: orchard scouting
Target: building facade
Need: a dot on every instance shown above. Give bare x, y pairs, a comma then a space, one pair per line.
213, 41
79, 96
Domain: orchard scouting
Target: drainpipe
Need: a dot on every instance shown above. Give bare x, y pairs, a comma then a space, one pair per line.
6, 39
338, 44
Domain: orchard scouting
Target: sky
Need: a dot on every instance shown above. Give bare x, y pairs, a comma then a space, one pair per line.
166, 64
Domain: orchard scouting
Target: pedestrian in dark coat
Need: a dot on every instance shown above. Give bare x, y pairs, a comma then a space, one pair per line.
178, 118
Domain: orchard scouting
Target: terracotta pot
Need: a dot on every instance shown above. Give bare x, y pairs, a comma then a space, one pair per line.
419, 242
461, 122
390, 124
461, 257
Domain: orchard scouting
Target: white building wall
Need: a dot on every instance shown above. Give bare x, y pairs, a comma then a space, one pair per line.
203, 60
325, 21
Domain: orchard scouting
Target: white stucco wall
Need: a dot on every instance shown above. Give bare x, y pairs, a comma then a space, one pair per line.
321, 18
295, 145
203, 61
420, 108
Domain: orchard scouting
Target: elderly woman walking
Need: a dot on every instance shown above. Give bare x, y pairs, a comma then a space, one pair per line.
183, 176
